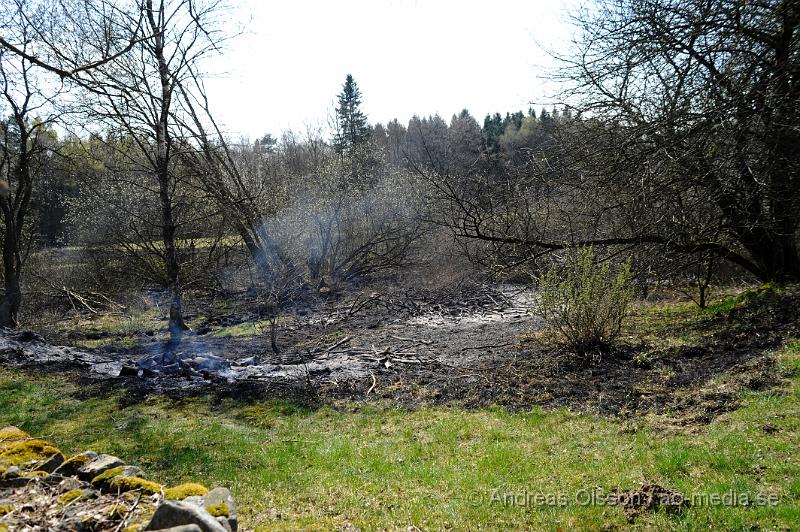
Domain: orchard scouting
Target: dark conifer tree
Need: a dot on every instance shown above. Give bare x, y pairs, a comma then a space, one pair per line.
353, 128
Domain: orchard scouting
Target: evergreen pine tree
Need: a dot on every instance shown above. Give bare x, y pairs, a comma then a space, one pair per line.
353, 128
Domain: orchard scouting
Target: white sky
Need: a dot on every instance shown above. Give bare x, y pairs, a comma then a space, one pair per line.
407, 56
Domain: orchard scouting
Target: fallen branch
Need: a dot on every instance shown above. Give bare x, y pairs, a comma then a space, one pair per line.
340, 342
374, 382
487, 346
466, 375
130, 512
404, 339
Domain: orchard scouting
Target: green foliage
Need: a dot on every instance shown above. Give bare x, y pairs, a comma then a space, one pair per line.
585, 303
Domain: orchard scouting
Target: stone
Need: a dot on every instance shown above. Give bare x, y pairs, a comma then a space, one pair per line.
219, 496
28, 454
122, 484
71, 483
71, 466
182, 528
129, 371
24, 336
13, 433
12, 472
173, 513
71, 524
100, 464
52, 463
197, 500
103, 480
107, 369
189, 489
216, 499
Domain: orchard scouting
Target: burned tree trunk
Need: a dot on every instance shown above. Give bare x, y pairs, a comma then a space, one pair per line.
12, 297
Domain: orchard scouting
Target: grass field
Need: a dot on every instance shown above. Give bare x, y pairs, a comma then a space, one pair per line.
374, 466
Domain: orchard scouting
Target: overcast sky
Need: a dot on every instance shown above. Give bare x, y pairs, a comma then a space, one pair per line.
407, 56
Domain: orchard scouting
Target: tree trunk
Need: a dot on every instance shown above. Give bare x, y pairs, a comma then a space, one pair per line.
12, 299
14, 210
176, 324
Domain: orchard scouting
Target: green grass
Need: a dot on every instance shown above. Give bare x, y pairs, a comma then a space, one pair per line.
726, 304
378, 467
249, 328
123, 330
246, 328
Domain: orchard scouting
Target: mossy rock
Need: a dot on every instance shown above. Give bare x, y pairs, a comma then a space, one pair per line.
107, 476
13, 433
36, 474
5, 509
71, 495
219, 510
135, 483
24, 452
9, 472
133, 528
73, 463
189, 489
103, 480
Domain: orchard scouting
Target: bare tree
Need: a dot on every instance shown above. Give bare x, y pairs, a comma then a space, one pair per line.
29, 105
141, 97
706, 95
688, 143
70, 38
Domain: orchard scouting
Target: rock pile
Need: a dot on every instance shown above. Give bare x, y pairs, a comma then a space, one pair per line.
41, 489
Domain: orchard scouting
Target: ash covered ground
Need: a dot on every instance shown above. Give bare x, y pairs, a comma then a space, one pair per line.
472, 347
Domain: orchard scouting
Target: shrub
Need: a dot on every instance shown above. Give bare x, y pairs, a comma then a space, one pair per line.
584, 303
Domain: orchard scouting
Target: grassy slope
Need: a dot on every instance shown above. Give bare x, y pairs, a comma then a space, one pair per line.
378, 467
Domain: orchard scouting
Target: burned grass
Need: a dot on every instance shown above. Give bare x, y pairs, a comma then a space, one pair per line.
474, 348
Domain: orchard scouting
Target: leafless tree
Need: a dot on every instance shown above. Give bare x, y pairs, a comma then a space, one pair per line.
70, 38
140, 95
688, 142
29, 104
705, 95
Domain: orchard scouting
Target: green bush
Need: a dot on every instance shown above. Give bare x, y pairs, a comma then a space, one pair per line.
584, 303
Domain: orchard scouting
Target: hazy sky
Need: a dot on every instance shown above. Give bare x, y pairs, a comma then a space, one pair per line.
407, 56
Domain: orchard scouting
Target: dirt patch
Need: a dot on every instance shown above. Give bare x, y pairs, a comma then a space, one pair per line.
650, 498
